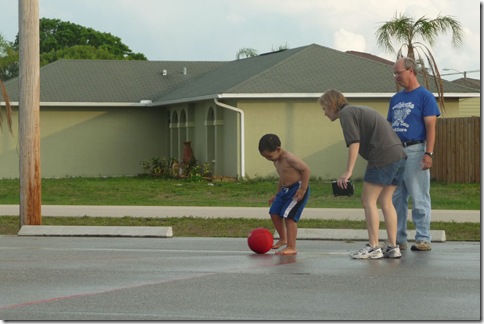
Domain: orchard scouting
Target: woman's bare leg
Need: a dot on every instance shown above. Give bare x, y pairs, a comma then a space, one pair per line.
369, 199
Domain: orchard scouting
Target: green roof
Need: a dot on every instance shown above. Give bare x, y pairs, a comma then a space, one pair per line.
112, 80
300, 71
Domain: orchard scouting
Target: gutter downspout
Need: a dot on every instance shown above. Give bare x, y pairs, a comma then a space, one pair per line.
242, 134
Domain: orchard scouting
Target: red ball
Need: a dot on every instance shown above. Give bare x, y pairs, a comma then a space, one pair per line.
260, 240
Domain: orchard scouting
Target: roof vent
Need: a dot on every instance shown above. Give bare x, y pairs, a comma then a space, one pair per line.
164, 72
184, 70
145, 102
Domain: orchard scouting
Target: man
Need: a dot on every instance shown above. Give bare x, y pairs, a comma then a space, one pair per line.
413, 115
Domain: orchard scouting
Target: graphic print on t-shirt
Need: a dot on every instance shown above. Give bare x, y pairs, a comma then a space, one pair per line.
400, 112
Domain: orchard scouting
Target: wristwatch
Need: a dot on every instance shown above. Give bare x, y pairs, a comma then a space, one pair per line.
431, 154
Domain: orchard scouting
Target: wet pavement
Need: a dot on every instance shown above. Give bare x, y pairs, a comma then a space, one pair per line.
165, 279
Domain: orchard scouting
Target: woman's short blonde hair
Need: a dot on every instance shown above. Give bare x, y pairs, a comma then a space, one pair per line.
332, 100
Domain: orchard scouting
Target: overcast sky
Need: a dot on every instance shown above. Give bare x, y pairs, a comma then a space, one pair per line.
214, 30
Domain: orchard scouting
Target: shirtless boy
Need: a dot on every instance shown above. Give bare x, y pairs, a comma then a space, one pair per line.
292, 192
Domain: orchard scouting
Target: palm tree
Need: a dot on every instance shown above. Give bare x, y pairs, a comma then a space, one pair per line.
280, 48
8, 65
8, 108
247, 52
407, 30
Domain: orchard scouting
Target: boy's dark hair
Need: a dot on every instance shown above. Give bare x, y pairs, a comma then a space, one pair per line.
269, 142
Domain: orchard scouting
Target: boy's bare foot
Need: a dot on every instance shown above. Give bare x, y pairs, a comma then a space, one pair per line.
286, 251
279, 244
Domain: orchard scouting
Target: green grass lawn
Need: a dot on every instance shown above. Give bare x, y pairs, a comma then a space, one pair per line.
150, 191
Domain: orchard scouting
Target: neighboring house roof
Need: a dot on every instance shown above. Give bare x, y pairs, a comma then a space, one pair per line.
469, 82
300, 72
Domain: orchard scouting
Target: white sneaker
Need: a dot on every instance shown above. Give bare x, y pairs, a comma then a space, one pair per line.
392, 252
367, 253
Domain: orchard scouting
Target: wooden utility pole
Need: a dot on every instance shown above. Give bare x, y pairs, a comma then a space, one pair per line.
29, 106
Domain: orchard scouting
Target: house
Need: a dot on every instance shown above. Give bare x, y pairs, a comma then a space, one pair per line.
102, 118
469, 106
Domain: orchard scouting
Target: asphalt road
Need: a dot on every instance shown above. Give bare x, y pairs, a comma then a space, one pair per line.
167, 279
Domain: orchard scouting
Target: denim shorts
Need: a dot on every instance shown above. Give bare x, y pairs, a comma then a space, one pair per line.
390, 174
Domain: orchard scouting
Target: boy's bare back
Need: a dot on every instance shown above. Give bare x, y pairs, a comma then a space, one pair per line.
290, 168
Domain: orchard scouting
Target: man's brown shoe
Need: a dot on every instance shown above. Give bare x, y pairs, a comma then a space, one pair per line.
421, 246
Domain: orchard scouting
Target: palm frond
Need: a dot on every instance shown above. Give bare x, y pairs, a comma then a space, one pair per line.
426, 30
445, 22
439, 84
425, 55
398, 29
8, 108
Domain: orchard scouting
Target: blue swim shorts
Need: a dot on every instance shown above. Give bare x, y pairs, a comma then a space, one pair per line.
285, 206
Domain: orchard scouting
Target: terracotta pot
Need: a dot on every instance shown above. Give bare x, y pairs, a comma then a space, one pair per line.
188, 153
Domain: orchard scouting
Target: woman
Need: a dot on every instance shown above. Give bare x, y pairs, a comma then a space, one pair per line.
368, 133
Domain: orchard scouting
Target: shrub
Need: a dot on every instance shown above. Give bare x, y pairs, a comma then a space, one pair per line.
171, 168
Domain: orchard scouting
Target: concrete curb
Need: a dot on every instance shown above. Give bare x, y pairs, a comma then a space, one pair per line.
104, 231
167, 232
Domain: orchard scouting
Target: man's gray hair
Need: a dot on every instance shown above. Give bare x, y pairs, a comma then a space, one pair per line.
409, 63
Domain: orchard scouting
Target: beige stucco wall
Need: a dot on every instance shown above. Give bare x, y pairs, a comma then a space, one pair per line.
306, 132
112, 141
303, 130
90, 142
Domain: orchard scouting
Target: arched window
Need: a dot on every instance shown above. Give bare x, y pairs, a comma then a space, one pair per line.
211, 140
174, 143
182, 127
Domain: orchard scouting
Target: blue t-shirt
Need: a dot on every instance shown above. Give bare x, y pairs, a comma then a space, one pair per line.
407, 112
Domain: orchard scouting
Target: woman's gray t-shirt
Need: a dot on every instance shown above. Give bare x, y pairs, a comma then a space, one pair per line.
379, 144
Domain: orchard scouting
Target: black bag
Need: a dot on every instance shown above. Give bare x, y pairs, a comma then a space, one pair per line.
349, 191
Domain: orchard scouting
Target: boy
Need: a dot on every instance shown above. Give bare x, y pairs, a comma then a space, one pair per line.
292, 192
